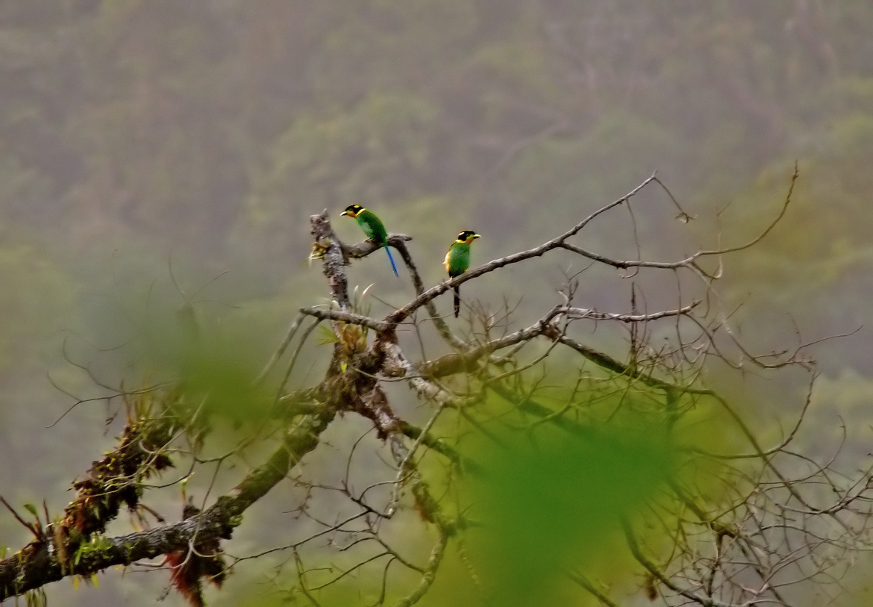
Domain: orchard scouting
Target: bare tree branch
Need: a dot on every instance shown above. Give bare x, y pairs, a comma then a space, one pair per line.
38, 564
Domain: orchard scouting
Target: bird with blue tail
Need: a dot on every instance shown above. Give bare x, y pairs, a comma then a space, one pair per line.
458, 261
372, 226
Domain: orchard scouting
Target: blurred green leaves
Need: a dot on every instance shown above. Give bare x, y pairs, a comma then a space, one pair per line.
215, 364
555, 504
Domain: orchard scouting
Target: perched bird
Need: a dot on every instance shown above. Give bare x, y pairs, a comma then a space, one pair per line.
373, 228
458, 260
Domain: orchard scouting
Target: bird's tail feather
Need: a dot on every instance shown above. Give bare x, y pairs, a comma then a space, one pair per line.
457, 301
391, 259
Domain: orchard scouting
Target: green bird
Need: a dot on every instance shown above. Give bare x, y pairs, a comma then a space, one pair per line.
458, 261
373, 228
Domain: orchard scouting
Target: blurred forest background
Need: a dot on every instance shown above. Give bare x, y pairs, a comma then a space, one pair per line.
136, 131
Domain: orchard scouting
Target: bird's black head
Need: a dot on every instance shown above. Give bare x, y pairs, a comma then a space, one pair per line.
467, 236
352, 210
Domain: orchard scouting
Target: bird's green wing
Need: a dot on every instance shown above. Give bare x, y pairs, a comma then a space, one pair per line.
372, 226
458, 259
375, 230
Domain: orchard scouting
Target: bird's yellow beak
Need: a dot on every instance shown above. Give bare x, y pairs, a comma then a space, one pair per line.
344, 213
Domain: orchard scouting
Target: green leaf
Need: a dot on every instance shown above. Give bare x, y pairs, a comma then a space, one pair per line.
559, 503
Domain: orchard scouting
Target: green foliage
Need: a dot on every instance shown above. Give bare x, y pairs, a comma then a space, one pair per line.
36, 598
215, 367
95, 545
551, 502
555, 503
